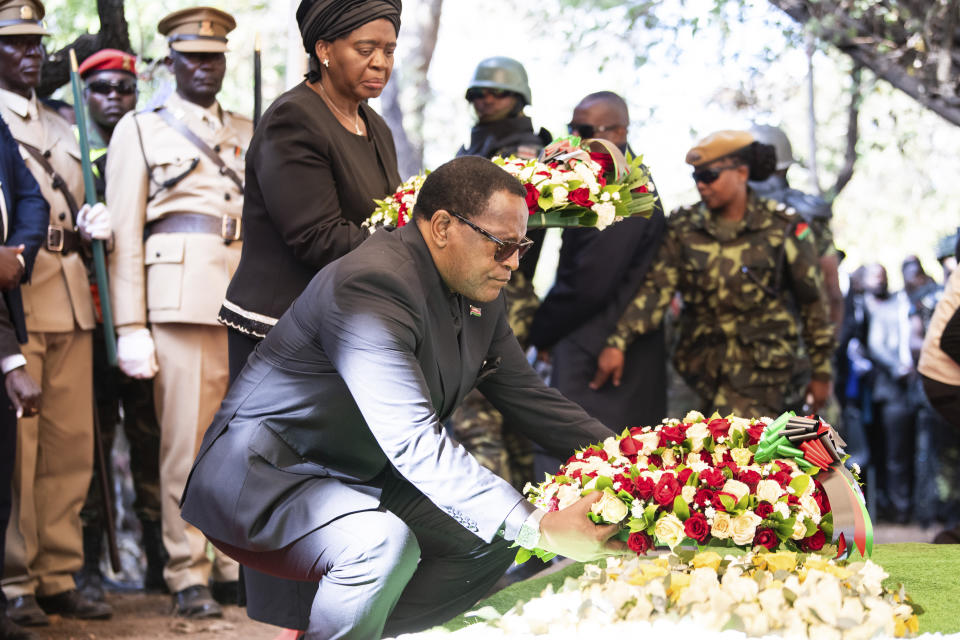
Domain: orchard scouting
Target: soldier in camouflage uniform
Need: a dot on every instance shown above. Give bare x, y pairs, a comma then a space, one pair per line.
498, 92
817, 213
736, 259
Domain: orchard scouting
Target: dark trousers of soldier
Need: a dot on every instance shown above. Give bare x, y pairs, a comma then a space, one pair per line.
277, 601
945, 400
639, 401
8, 452
113, 390
897, 419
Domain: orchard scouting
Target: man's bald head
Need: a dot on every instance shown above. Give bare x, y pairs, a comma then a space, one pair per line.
603, 114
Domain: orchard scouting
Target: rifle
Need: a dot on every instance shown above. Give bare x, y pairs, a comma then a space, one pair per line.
109, 337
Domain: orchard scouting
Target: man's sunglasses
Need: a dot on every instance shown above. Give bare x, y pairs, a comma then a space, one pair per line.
476, 94
105, 87
504, 249
589, 130
709, 176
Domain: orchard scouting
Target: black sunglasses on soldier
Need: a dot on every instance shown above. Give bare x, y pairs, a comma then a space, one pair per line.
709, 176
504, 249
476, 94
589, 130
104, 87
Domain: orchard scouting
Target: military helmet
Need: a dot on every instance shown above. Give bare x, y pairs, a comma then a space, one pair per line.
776, 138
946, 246
501, 73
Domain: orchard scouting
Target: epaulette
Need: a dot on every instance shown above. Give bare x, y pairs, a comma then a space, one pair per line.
783, 211
807, 205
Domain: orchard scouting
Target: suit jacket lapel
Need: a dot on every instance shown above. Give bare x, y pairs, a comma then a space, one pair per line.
441, 333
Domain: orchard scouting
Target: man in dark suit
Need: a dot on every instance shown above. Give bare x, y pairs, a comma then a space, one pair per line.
598, 274
23, 224
328, 456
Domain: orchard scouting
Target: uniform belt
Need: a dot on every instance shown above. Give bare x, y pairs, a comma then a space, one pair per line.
61, 240
227, 227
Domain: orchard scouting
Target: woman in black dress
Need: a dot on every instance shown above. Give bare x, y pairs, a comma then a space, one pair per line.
318, 158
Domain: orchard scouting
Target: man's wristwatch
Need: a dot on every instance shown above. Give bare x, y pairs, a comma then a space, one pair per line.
529, 535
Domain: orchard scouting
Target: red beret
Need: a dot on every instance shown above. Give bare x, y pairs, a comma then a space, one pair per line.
109, 60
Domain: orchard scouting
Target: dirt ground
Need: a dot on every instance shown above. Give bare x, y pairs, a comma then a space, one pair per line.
147, 617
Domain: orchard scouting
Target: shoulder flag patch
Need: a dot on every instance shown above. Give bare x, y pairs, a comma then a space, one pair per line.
474, 311
803, 230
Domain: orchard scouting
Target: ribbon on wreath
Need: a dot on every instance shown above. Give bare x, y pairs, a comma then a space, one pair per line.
815, 447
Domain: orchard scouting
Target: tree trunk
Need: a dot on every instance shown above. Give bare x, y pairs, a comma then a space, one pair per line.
853, 134
114, 34
407, 124
812, 163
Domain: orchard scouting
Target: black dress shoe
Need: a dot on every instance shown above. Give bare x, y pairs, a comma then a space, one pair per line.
25, 611
90, 584
9, 630
225, 592
196, 602
71, 604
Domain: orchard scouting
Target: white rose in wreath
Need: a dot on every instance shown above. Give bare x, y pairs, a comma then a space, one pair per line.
745, 528
769, 491
610, 508
697, 433
736, 488
669, 530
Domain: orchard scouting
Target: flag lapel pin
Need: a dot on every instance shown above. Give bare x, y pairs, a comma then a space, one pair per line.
474, 311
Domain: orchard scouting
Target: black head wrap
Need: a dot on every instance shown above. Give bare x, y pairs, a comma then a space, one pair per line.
331, 19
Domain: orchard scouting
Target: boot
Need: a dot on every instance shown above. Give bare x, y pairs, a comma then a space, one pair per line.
90, 579
152, 542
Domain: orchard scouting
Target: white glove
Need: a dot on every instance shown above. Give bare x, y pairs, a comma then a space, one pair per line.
94, 222
137, 355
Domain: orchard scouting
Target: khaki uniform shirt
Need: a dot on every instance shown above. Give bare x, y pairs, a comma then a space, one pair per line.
57, 299
934, 363
172, 277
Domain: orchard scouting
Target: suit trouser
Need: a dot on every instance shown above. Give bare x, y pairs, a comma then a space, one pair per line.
189, 388
403, 568
53, 468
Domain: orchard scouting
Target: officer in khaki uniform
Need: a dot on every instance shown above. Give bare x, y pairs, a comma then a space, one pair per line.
173, 178
55, 449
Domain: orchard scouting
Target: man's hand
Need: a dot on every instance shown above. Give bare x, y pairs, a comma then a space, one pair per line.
11, 269
137, 355
609, 367
818, 393
94, 222
23, 392
570, 533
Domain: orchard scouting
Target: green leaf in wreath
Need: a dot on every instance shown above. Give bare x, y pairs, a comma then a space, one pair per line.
800, 484
522, 555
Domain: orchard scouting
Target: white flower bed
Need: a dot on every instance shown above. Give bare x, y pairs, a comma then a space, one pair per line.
704, 596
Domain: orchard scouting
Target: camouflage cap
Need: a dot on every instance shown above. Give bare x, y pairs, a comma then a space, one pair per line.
197, 30
717, 145
22, 18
